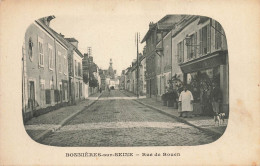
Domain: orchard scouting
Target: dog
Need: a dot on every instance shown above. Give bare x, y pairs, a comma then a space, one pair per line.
219, 118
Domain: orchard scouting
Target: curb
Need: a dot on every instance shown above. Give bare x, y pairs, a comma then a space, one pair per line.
180, 119
44, 134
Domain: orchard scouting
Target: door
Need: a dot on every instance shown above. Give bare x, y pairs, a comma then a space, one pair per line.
31, 101
61, 94
150, 88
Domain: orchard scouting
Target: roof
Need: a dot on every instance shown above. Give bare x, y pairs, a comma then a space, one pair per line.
48, 29
72, 39
167, 23
59, 37
183, 23
151, 28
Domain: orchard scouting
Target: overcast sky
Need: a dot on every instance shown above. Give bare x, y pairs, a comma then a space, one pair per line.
111, 35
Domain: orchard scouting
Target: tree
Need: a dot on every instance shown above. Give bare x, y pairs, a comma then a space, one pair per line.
93, 82
85, 78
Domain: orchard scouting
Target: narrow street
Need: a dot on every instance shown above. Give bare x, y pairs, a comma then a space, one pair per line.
117, 120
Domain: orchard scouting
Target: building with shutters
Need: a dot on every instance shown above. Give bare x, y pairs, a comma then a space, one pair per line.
200, 48
76, 86
158, 55
45, 69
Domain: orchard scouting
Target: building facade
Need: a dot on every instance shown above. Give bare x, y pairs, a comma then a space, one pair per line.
201, 47
142, 73
76, 86
45, 69
112, 81
158, 54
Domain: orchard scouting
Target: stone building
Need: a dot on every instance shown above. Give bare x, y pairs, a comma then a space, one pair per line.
112, 81
45, 69
158, 54
76, 85
200, 46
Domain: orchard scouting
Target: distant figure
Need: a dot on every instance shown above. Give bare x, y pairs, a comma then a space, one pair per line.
100, 90
186, 100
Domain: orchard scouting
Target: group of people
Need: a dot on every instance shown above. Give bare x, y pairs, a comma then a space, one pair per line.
186, 101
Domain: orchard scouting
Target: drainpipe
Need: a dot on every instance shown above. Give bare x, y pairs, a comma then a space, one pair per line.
171, 55
55, 62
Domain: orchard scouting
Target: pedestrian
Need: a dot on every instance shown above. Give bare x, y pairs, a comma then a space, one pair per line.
185, 101
215, 98
100, 90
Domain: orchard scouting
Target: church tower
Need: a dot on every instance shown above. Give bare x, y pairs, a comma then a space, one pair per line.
111, 70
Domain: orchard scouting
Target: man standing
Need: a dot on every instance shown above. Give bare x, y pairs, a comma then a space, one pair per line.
185, 101
215, 97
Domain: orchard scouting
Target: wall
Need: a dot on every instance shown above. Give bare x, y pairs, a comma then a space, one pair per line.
77, 79
42, 74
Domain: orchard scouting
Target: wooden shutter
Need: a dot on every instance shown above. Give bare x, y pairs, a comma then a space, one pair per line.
208, 38
195, 45
200, 38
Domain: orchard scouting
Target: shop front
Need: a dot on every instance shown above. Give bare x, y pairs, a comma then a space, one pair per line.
200, 74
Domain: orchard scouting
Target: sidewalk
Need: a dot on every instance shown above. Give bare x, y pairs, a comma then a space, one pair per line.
205, 123
39, 127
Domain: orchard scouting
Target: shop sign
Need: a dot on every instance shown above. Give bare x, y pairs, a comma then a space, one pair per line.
201, 64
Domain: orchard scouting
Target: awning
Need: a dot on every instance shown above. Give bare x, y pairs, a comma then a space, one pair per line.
205, 62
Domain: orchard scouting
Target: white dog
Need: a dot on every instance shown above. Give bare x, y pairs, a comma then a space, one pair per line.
218, 118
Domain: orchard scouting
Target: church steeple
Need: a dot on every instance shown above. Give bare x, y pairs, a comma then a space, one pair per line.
111, 63
111, 70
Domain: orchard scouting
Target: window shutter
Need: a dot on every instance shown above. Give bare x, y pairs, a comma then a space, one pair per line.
195, 43
39, 54
200, 44
182, 51
208, 38
42, 55
188, 50
49, 55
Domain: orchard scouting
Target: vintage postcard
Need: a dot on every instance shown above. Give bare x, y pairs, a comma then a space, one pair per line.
129, 82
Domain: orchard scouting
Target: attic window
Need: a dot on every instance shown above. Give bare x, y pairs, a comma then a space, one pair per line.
30, 50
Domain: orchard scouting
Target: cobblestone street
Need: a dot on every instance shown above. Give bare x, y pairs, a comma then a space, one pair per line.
118, 120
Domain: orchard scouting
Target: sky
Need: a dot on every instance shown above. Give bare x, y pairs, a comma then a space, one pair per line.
111, 35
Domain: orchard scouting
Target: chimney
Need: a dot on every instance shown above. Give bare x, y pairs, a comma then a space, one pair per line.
85, 55
62, 35
73, 41
151, 25
48, 19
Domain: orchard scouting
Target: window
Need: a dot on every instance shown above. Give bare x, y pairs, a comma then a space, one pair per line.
79, 69
204, 40
80, 89
191, 46
59, 61
42, 83
76, 69
51, 59
40, 51
218, 41
65, 65
77, 89
30, 51
51, 84
180, 52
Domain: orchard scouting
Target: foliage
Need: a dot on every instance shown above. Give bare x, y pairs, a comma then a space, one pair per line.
175, 84
93, 83
170, 96
85, 78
